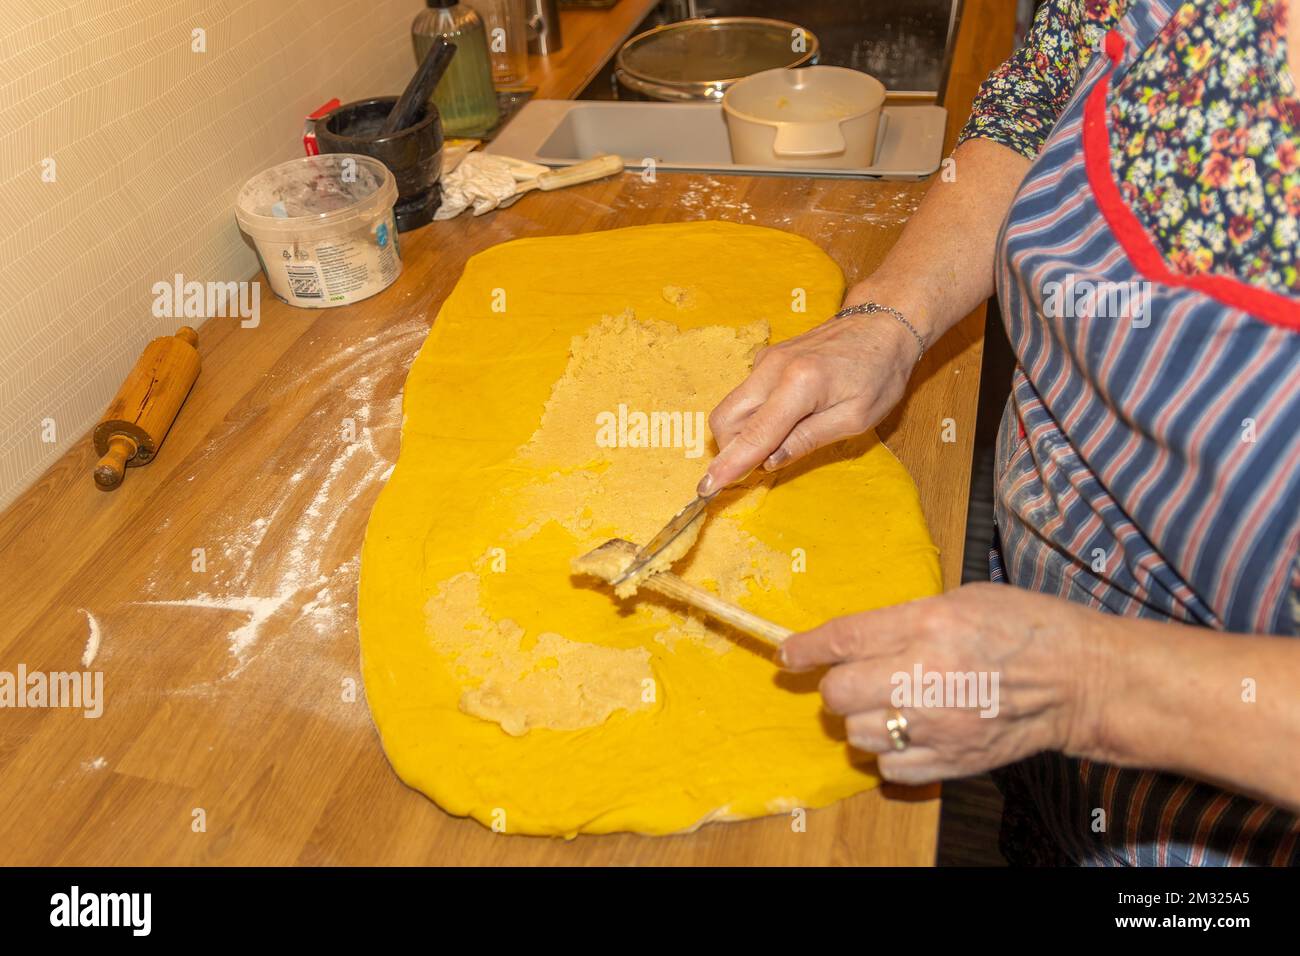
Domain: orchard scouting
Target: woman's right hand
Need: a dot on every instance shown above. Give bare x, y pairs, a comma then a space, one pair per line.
832, 382
844, 376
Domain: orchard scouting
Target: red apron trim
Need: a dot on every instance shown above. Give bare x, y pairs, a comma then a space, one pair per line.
1115, 45
1142, 252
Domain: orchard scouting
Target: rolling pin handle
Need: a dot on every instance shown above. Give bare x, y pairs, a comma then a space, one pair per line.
109, 471
188, 335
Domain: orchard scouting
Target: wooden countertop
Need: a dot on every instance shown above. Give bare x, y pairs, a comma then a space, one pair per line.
588, 36
221, 581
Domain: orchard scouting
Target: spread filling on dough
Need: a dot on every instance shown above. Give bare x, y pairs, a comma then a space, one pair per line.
614, 483
523, 681
683, 298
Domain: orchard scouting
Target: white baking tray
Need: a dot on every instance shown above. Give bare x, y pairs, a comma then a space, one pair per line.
693, 137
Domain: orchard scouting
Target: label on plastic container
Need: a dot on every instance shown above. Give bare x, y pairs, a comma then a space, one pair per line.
337, 270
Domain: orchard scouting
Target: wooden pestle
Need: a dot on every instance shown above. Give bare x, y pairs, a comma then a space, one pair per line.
138, 419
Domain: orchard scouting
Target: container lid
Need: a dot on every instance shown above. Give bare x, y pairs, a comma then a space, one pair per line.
714, 51
315, 196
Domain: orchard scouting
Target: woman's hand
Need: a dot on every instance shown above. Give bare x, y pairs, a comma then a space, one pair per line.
832, 382
1026, 661
844, 376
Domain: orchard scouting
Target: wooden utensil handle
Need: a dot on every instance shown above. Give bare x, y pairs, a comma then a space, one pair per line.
670, 585
583, 172
109, 471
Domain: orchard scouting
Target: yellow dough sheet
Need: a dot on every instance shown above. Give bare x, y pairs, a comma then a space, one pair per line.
560, 401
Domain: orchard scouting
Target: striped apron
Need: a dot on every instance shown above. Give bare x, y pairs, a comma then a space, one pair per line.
1148, 464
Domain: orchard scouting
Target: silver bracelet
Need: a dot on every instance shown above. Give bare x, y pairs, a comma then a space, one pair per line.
868, 308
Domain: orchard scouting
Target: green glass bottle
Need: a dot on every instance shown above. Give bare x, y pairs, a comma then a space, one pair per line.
464, 96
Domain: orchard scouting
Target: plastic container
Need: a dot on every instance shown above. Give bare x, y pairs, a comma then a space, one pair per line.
323, 228
820, 116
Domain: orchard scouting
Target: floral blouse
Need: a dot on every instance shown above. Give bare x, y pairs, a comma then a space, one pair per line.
1205, 127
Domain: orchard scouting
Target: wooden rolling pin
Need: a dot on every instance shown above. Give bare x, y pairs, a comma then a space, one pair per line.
138, 419
671, 586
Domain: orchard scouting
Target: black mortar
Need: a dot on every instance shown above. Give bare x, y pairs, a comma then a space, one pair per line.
413, 155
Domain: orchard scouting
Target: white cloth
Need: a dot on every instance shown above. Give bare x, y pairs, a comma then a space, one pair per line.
482, 182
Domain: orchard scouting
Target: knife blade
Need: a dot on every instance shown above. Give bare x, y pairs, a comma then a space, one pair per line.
669, 533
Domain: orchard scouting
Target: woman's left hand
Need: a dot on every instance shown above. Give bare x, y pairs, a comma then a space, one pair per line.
1029, 663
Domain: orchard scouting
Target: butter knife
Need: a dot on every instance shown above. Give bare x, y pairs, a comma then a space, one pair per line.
670, 533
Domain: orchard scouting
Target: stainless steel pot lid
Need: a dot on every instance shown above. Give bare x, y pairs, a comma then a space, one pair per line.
696, 55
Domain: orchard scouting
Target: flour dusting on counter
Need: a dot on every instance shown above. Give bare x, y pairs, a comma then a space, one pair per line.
93, 638
824, 210
279, 576
706, 197
259, 610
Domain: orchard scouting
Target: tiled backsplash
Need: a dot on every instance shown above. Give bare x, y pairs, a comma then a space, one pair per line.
126, 129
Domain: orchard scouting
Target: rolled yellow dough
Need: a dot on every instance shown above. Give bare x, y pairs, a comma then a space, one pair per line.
509, 692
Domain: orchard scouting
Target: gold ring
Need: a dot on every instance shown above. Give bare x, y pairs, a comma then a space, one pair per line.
896, 724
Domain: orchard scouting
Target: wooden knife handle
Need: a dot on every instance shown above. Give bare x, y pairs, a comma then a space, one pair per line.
671, 586
583, 172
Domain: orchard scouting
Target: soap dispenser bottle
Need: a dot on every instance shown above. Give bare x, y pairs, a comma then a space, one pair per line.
464, 97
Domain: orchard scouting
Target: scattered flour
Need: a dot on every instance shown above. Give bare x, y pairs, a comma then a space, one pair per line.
707, 197
92, 639
259, 611
99, 763
301, 577
826, 210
